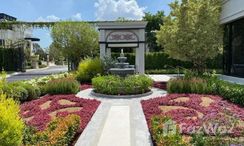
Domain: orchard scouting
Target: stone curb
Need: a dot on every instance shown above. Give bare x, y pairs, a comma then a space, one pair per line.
120, 96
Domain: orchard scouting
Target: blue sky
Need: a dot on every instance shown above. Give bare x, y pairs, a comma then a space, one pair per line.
54, 10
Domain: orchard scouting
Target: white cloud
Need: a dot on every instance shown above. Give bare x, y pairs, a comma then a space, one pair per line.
50, 18
112, 9
76, 17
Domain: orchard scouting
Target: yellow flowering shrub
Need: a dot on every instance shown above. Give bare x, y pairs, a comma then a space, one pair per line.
11, 125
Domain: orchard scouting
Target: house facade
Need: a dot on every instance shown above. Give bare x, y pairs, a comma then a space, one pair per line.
12, 34
232, 19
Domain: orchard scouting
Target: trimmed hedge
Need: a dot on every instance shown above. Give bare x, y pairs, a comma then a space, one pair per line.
21, 91
115, 85
160, 60
229, 91
11, 59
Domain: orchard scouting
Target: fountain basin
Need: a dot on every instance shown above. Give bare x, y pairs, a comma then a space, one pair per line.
122, 59
122, 65
122, 71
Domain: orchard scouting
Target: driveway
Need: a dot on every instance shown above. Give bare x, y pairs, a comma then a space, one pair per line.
37, 73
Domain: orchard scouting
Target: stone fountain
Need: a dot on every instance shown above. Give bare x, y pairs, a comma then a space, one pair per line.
122, 67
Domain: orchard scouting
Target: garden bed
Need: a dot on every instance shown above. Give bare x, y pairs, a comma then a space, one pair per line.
192, 111
85, 86
160, 85
39, 113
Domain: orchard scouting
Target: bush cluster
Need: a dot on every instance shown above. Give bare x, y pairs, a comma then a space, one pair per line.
193, 85
60, 132
160, 60
89, 68
21, 91
229, 91
62, 86
11, 125
165, 132
115, 85
203, 140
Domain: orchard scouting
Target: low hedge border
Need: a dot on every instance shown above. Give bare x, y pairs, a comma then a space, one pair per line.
229, 91
120, 96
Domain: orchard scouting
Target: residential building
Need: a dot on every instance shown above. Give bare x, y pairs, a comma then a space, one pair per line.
233, 21
12, 34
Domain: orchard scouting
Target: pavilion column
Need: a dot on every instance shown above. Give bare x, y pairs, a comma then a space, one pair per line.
102, 44
102, 51
140, 59
108, 52
31, 47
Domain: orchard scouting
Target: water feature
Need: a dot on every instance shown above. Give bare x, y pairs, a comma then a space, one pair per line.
122, 68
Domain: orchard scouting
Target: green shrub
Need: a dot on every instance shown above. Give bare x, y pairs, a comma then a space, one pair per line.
229, 91
203, 140
18, 93
115, 85
165, 132
33, 91
208, 85
60, 132
193, 85
11, 125
62, 86
88, 69
160, 60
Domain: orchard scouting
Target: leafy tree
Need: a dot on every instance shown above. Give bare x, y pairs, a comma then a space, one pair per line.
39, 51
192, 31
154, 22
76, 40
55, 53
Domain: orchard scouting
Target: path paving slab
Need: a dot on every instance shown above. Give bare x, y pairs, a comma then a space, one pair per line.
117, 120
116, 131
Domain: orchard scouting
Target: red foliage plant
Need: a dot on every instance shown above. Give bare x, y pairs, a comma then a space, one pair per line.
38, 113
85, 86
192, 113
160, 85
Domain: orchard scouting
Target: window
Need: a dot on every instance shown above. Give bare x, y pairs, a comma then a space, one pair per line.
234, 48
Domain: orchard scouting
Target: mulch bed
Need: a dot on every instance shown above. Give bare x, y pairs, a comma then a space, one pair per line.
193, 110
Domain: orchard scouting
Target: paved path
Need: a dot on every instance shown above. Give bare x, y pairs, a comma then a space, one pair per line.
37, 73
163, 78
117, 122
232, 79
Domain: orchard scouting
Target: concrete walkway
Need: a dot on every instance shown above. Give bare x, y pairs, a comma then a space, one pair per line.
232, 79
163, 78
117, 122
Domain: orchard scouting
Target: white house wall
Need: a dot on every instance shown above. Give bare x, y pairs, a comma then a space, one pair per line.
16, 34
232, 10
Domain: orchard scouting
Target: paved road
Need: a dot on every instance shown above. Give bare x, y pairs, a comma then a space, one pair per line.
38, 73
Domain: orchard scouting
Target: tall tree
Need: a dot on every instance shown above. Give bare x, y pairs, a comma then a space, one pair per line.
192, 31
154, 22
76, 40
39, 51
55, 53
